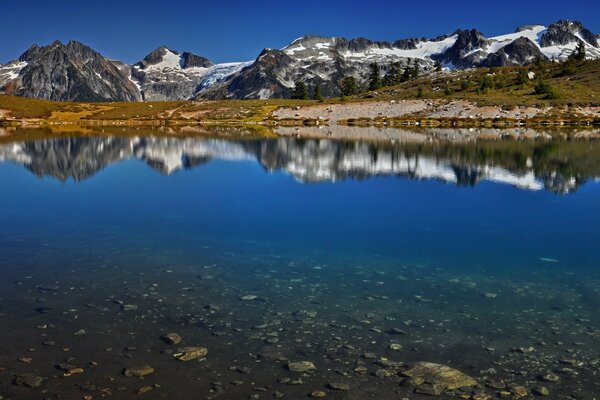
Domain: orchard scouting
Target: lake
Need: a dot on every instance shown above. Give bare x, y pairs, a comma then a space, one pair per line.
360, 258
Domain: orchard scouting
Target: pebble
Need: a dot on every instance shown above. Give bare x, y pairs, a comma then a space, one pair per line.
301, 366
171, 338
339, 386
28, 380
318, 394
139, 371
190, 353
541, 391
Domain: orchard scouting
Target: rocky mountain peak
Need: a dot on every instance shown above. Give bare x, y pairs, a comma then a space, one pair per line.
565, 32
190, 60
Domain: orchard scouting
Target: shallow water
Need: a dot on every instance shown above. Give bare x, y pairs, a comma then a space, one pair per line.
484, 255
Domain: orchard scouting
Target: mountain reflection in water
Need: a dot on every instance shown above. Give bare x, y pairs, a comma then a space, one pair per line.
556, 166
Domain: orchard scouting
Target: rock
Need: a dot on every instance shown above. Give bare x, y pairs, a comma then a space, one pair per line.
339, 386
190, 353
395, 346
139, 371
439, 375
431, 389
550, 378
318, 394
28, 380
541, 391
129, 307
248, 297
48, 288
171, 338
482, 396
144, 390
520, 391
301, 366
495, 384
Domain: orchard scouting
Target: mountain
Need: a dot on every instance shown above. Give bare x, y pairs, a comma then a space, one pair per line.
165, 74
71, 72
76, 72
309, 161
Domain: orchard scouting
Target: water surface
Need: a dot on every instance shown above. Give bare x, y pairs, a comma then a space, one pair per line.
483, 256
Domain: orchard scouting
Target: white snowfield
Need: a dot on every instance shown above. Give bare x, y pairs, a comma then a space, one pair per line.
324, 48
11, 71
170, 70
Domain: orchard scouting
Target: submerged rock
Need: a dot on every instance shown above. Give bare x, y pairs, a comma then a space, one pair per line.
190, 353
28, 380
171, 338
434, 379
139, 371
301, 366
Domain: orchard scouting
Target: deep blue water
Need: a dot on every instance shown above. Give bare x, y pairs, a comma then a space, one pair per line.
536, 250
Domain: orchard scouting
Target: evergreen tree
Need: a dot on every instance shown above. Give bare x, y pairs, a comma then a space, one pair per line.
405, 77
374, 77
579, 53
438, 66
414, 72
393, 75
300, 91
318, 95
349, 86
523, 77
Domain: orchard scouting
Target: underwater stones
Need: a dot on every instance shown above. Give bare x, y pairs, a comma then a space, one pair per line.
523, 350
395, 346
138, 371
129, 307
495, 384
190, 353
550, 378
171, 338
396, 331
341, 386
317, 394
48, 288
248, 297
431, 389
520, 391
28, 380
541, 391
431, 378
482, 396
301, 366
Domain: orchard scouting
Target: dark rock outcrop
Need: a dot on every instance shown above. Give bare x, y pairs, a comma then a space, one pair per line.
72, 72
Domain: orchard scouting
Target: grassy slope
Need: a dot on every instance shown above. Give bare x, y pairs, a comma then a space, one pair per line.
580, 87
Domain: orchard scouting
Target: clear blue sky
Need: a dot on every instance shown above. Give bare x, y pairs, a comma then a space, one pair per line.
232, 30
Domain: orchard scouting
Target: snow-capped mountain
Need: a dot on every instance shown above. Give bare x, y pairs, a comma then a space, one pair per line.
326, 60
308, 161
165, 74
76, 72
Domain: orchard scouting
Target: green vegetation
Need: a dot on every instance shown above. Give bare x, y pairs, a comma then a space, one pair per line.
349, 86
317, 94
575, 83
300, 91
374, 77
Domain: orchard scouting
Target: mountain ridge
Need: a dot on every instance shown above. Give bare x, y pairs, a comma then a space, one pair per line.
76, 72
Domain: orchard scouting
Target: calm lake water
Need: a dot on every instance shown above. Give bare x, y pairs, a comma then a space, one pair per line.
361, 258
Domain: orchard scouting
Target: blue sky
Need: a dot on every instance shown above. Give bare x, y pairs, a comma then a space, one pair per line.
232, 30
